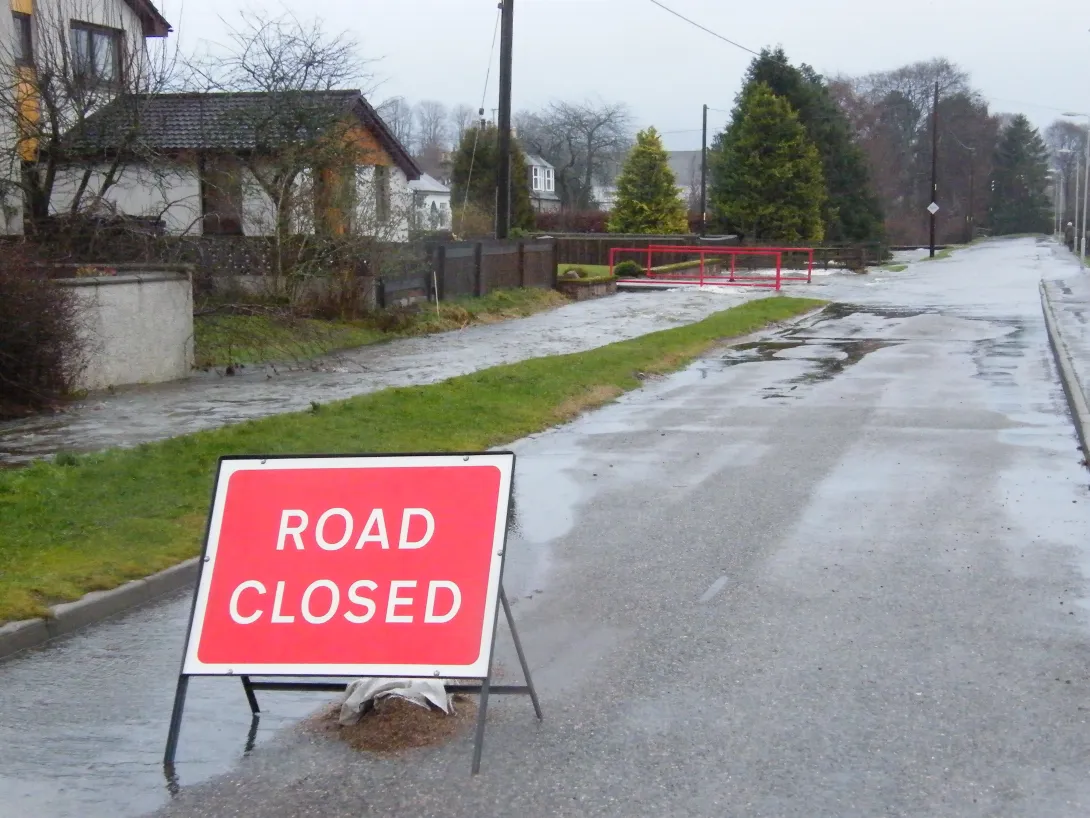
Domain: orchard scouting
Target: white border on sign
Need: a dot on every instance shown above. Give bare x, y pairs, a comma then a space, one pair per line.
193, 666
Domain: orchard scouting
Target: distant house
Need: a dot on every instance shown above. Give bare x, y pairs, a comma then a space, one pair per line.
431, 203
542, 185
253, 164
686, 168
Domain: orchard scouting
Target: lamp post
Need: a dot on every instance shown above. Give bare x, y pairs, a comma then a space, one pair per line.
1080, 241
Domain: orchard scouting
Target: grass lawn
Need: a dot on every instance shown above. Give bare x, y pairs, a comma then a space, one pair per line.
895, 268
249, 339
92, 522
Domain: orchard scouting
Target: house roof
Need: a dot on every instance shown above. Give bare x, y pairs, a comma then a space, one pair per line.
428, 184
684, 164
533, 159
155, 25
246, 121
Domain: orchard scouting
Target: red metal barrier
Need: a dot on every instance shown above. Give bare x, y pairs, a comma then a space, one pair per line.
734, 252
703, 278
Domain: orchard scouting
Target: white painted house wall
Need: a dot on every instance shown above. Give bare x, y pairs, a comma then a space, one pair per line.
52, 19
11, 205
428, 191
172, 192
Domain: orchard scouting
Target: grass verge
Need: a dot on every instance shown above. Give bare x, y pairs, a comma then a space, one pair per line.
250, 339
92, 522
895, 268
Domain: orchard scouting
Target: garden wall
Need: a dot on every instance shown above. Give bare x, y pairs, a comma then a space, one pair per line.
136, 327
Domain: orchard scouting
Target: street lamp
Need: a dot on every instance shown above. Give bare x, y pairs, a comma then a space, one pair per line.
1081, 242
1078, 181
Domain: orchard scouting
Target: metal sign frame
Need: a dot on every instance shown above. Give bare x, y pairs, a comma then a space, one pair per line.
483, 669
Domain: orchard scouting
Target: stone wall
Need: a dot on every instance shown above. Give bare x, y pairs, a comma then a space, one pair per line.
583, 290
137, 327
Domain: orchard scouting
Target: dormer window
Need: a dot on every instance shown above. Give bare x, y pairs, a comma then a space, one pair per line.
535, 178
550, 183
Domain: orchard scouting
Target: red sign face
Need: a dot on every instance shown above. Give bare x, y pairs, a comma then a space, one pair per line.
369, 566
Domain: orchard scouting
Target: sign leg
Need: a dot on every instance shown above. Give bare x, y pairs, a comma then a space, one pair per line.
176, 719
251, 736
250, 697
521, 655
482, 712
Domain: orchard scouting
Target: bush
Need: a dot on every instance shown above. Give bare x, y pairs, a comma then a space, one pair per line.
573, 274
40, 350
628, 269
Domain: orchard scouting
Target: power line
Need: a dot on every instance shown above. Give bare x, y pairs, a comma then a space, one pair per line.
477, 130
704, 28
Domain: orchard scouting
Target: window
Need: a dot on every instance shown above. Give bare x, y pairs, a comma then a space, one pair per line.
550, 184
382, 194
535, 178
96, 52
221, 197
24, 38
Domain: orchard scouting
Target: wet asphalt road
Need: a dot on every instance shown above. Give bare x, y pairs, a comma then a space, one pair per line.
838, 572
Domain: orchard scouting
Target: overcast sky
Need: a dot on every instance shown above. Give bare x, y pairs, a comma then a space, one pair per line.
1025, 57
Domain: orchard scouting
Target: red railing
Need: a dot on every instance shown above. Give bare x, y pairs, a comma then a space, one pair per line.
734, 252
703, 278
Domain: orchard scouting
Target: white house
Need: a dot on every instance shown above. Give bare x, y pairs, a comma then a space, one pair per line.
686, 168
99, 41
223, 165
542, 184
431, 203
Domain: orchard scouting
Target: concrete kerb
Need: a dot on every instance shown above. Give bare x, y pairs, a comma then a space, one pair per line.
95, 607
1076, 397
100, 605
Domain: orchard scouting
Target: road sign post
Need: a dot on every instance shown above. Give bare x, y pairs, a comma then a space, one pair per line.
349, 567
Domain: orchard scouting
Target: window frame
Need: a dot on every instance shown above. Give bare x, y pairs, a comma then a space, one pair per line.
381, 178
535, 179
96, 33
550, 180
24, 37
221, 183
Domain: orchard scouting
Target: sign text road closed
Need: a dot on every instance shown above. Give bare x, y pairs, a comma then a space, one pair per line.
352, 566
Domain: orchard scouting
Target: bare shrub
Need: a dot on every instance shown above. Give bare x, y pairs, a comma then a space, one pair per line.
40, 349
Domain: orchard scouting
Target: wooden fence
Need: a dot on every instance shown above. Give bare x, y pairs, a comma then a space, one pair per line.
470, 268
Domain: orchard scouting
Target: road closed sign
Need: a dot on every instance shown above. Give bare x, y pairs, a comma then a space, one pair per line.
352, 566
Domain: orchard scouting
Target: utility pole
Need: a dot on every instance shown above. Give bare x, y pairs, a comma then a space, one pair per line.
934, 165
503, 169
972, 191
704, 176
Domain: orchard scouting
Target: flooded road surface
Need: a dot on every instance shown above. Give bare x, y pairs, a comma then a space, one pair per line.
840, 571
141, 414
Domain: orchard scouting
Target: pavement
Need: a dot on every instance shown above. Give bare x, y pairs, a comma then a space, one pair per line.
838, 571
1067, 304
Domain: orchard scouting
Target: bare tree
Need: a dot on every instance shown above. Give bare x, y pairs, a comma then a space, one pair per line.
584, 141
55, 77
432, 132
462, 118
399, 116
891, 113
301, 149
294, 126
1067, 143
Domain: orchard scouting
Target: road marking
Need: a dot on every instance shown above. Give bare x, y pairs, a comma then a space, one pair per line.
714, 590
